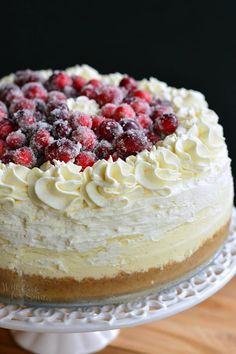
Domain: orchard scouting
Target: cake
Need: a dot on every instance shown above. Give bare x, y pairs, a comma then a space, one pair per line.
109, 186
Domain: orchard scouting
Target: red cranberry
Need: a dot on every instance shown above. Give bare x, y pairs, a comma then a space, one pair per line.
109, 94
89, 91
24, 156
85, 159
128, 83
78, 82
166, 124
129, 124
96, 121
15, 139
58, 80
5, 89
41, 139
85, 137
95, 83
109, 129
22, 103
108, 110
69, 91
58, 113
143, 95
79, 118
2, 147
3, 111
104, 149
8, 157
56, 95
144, 121
153, 137
123, 111
24, 76
160, 110
34, 90
62, 150
13, 95
61, 129
130, 143
6, 127
140, 106
53, 104
25, 119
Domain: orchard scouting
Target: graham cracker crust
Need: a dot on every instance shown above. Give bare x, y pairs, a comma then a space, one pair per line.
36, 288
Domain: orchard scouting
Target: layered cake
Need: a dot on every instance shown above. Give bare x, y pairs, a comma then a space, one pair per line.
108, 185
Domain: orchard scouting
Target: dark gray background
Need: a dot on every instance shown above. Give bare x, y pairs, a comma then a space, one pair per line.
186, 43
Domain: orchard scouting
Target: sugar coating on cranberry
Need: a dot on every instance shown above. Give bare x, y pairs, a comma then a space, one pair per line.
109, 129
79, 118
86, 137
24, 156
85, 159
166, 124
63, 150
36, 124
34, 90
15, 139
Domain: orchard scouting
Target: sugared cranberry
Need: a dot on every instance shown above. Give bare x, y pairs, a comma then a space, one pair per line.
70, 91
79, 118
34, 90
62, 150
95, 83
5, 89
61, 129
40, 107
3, 111
85, 137
24, 156
123, 111
89, 91
7, 157
108, 110
159, 110
153, 137
24, 76
41, 139
130, 143
143, 95
166, 124
140, 106
109, 94
128, 83
2, 147
144, 121
56, 95
13, 95
15, 139
58, 80
129, 124
6, 127
109, 129
85, 159
22, 103
78, 82
53, 104
25, 119
96, 121
58, 113
104, 149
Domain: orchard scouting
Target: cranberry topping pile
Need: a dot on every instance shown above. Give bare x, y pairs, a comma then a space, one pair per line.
36, 125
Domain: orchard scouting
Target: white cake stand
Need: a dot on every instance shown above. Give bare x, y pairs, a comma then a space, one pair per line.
80, 330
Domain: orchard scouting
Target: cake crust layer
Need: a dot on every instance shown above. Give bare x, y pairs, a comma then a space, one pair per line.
36, 288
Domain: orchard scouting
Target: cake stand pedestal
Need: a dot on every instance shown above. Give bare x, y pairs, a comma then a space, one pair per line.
80, 330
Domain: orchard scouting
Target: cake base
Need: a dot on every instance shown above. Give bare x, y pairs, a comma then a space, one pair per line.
37, 289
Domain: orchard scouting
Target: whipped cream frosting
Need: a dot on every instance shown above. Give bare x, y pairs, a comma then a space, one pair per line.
195, 151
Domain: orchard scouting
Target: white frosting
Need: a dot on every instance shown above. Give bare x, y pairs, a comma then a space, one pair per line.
82, 104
